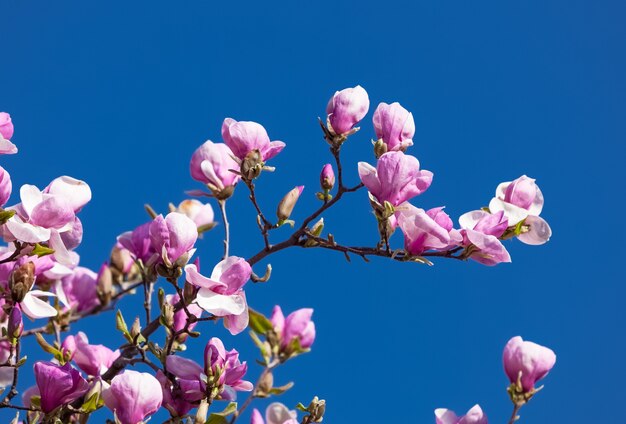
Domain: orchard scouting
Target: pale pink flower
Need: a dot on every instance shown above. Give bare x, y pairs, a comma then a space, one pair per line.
133, 396
426, 230
482, 229
173, 237
529, 359
76, 193
474, 416
244, 136
276, 413
297, 325
394, 125
200, 213
93, 359
5, 186
346, 108
6, 126
212, 163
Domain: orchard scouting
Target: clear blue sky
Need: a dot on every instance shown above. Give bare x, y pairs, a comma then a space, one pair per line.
120, 94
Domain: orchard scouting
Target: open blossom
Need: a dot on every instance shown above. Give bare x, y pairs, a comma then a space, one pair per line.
173, 236
474, 416
212, 163
522, 200
222, 294
200, 213
5, 186
394, 125
426, 230
529, 359
245, 136
224, 368
133, 396
79, 290
481, 230
76, 193
297, 325
346, 108
396, 178
93, 359
276, 413
58, 384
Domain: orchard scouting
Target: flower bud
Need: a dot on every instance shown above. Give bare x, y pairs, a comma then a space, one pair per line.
252, 165
525, 363
285, 207
346, 108
104, 285
21, 281
327, 177
133, 396
394, 125
6, 126
15, 326
316, 410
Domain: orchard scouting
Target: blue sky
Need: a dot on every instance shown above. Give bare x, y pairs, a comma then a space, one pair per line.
121, 93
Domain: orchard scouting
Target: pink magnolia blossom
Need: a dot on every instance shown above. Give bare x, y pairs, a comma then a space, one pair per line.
396, 178
474, 416
212, 163
133, 396
200, 213
79, 290
522, 200
180, 317
426, 230
529, 359
6, 132
173, 237
138, 243
394, 125
297, 325
28, 394
58, 384
346, 108
482, 229
243, 137
222, 294
6, 126
5, 186
217, 361
173, 397
93, 359
76, 193
276, 413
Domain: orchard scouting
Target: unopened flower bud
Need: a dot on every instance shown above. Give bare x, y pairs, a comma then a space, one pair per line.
327, 177
346, 108
167, 314
6, 126
285, 207
135, 329
252, 165
316, 409
15, 326
380, 148
21, 281
105, 285
189, 292
265, 385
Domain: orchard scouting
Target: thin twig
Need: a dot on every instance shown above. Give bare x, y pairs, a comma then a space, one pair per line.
222, 204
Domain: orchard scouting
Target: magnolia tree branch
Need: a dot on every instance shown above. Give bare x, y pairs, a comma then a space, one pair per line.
222, 205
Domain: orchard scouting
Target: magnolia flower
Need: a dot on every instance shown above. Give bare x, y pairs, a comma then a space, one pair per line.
138, 243
222, 294
173, 237
76, 193
6, 132
297, 325
173, 397
180, 317
481, 230
346, 108
394, 125
244, 137
93, 359
527, 360
276, 413
200, 213
473, 416
58, 384
213, 164
426, 230
223, 367
396, 178
133, 396
79, 290
522, 200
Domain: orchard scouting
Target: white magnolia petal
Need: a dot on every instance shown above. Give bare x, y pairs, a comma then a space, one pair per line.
23, 231
31, 196
513, 213
35, 308
469, 219
220, 305
539, 231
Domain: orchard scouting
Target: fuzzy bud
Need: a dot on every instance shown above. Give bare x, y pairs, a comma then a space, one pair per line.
285, 207
252, 165
15, 326
105, 285
21, 281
